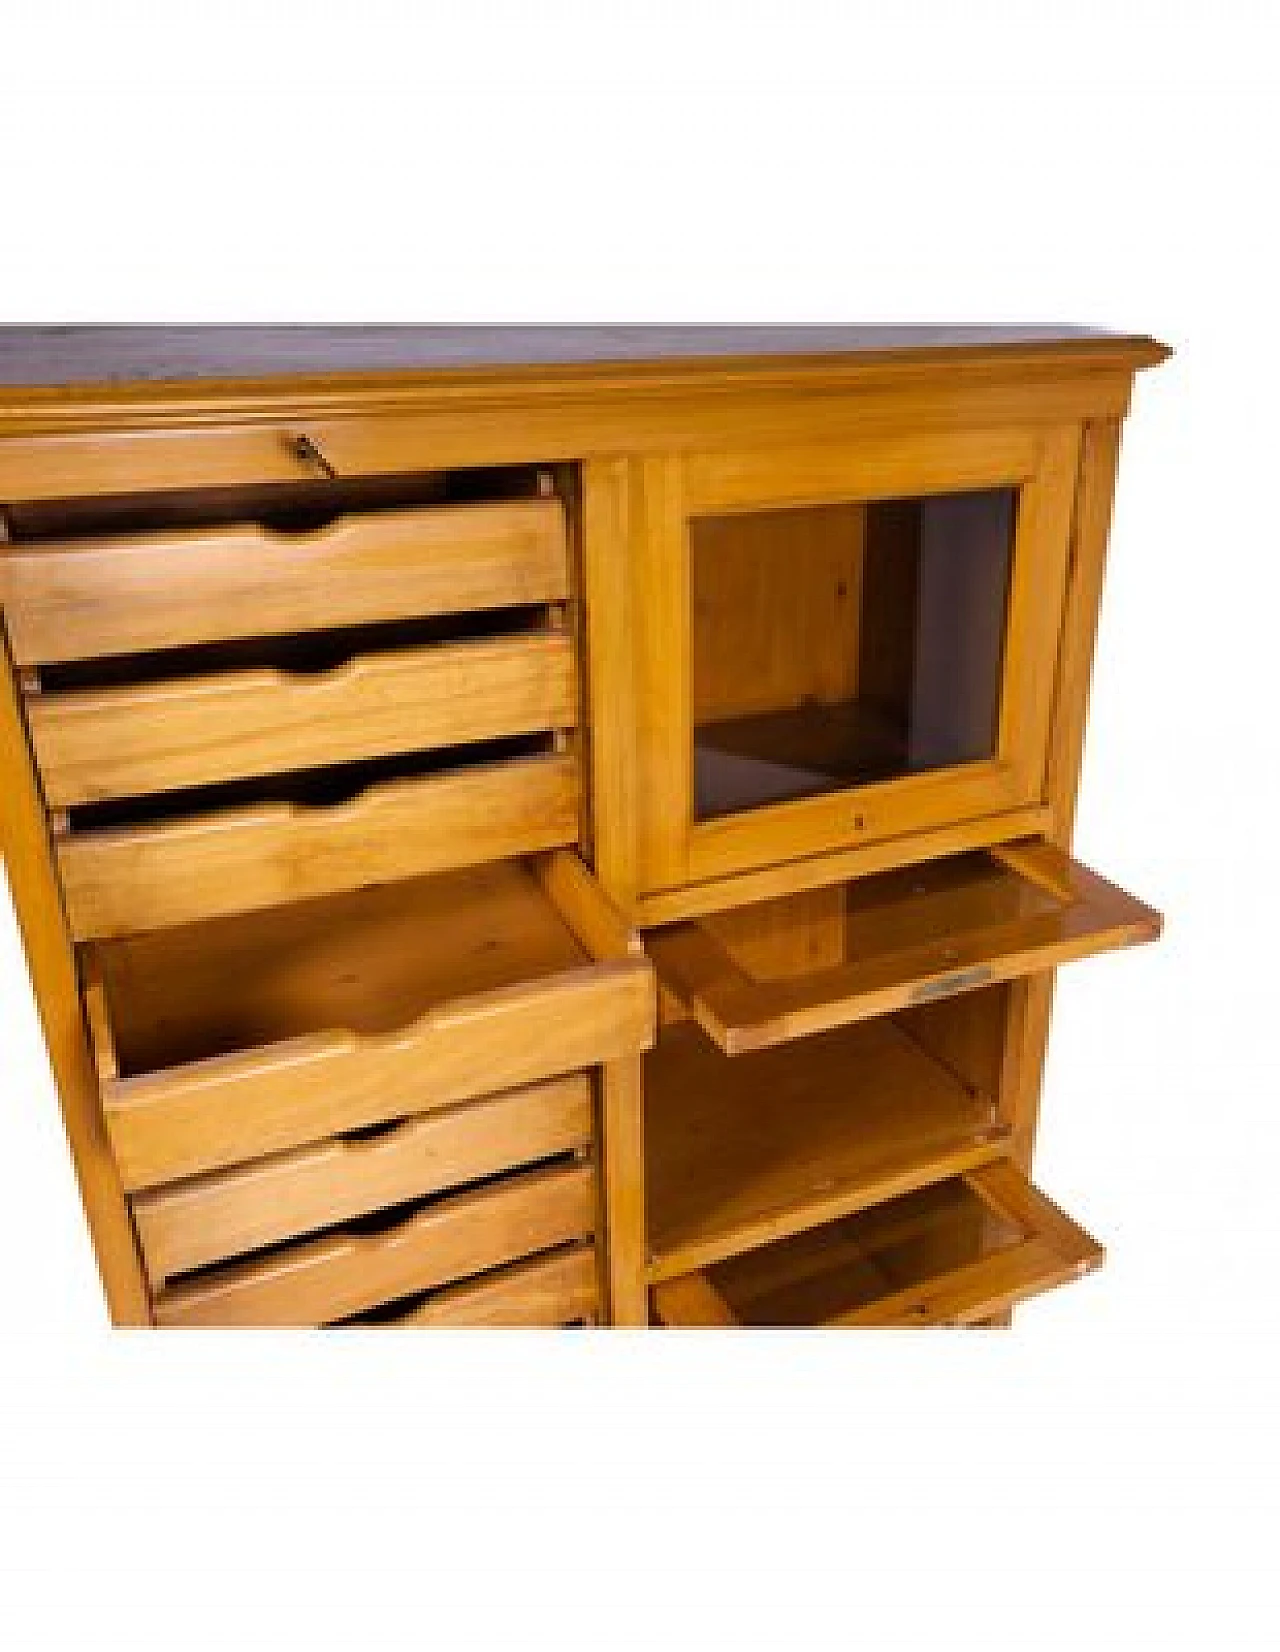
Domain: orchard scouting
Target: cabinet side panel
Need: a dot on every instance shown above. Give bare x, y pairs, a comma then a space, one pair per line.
33, 882
1033, 998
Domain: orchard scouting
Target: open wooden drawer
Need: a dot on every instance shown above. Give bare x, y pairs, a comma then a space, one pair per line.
762, 975
955, 1253
221, 1041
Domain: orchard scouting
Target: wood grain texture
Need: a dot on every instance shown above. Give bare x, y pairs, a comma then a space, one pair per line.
185, 437
104, 743
776, 610
680, 491
692, 1303
1032, 1009
209, 1219
129, 594
246, 1037
959, 1254
742, 1153
1055, 1250
608, 509
125, 880
835, 473
32, 877
622, 1149
813, 872
954, 928
336, 1276
552, 1291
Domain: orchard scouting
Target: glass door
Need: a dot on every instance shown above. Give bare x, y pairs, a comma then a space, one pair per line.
846, 643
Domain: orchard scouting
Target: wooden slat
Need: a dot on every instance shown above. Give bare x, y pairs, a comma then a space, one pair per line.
125, 881
607, 518
551, 1291
585, 907
128, 742
128, 595
223, 1111
134, 439
742, 1014
790, 877
213, 1218
335, 1277
819, 473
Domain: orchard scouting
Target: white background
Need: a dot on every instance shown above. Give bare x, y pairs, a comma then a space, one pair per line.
1107, 1474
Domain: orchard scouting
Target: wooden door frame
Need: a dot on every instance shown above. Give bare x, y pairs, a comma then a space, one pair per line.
671, 850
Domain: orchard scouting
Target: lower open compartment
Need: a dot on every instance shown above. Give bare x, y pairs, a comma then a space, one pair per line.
955, 1253
861, 1176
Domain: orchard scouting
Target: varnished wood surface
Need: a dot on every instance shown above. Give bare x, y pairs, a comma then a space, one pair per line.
208, 1219
32, 877
124, 880
635, 407
125, 594
250, 1036
139, 739
742, 1152
954, 1254
551, 1291
63, 357
910, 938
349, 1271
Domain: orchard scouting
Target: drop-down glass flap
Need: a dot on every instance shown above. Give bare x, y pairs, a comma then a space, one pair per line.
891, 941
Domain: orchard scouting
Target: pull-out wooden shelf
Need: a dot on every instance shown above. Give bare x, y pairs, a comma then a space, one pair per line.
896, 940
951, 1254
223, 1041
360, 1266
555, 1289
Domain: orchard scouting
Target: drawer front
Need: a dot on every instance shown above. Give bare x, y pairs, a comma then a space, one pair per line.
213, 1218
125, 880
336, 1277
109, 743
956, 1253
230, 1109
134, 594
546, 1294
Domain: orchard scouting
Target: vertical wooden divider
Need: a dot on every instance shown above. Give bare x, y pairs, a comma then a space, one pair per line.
608, 520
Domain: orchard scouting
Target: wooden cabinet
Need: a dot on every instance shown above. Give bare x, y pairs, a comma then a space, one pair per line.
542, 827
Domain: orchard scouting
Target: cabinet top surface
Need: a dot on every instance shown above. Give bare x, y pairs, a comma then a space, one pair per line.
63, 359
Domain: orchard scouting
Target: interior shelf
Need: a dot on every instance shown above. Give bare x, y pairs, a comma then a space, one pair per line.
780, 756
740, 1153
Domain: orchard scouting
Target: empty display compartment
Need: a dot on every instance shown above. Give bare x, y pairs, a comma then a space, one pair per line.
844, 645
741, 1153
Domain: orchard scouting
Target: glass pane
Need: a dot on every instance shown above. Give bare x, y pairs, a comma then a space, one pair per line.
840, 645
819, 1275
